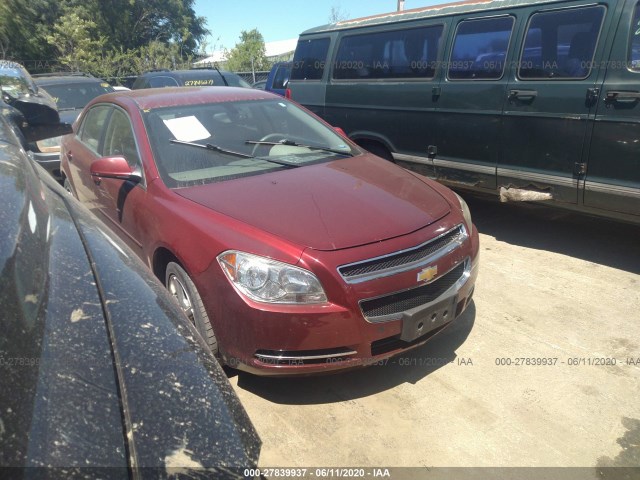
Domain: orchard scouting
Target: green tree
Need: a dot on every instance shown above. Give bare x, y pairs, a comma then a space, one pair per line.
24, 25
28, 26
248, 54
136, 23
77, 41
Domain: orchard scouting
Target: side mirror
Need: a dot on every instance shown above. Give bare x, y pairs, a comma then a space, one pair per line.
114, 167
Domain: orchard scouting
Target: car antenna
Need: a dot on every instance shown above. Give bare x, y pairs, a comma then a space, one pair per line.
215, 65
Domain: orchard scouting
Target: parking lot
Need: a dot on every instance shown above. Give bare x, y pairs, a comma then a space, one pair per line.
542, 371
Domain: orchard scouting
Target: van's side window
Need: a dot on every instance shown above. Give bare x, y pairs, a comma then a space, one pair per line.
410, 53
310, 59
634, 52
480, 49
560, 44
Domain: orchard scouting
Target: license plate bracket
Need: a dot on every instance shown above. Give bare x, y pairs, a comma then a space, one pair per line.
421, 320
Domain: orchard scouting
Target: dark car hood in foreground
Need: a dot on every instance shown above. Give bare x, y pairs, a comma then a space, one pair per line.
330, 206
99, 367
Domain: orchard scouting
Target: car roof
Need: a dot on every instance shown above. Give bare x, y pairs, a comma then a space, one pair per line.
150, 98
454, 8
65, 79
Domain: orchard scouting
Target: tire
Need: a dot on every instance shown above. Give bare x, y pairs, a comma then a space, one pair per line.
183, 290
67, 186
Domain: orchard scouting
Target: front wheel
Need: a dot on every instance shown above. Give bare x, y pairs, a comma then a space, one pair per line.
185, 293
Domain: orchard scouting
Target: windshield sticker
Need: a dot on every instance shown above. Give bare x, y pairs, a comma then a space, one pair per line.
198, 83
187, 129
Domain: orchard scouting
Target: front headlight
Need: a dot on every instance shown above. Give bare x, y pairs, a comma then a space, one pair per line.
49, 145
466, 213
265, 280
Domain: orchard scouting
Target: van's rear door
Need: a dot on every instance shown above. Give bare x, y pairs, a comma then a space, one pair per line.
308, 81
551, 98
613, 168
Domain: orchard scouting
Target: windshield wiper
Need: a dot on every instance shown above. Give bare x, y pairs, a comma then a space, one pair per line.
216, 148
291, 143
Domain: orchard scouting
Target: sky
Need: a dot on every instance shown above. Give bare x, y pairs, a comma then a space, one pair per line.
283, 20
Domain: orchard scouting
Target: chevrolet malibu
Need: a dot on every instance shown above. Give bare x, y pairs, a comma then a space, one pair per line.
291, 250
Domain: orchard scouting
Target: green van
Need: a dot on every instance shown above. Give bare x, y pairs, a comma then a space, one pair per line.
532, 100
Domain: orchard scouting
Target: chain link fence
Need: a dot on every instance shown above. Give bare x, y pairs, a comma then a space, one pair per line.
249, 76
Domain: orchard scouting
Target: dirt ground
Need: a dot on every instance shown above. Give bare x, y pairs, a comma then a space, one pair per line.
553, 285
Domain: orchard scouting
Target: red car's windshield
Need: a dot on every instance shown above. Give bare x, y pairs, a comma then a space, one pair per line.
244, 138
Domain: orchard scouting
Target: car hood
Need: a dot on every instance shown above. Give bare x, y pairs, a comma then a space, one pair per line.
335, 205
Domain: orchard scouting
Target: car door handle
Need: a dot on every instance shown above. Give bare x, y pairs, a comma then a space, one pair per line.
69, 156
620, 96
522, 95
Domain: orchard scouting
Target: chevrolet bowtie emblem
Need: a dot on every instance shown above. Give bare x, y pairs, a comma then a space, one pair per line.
428, 274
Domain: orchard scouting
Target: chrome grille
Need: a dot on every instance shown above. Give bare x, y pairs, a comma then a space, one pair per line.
404, 260
381, 308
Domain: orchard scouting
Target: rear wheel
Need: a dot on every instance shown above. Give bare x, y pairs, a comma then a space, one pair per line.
185, 293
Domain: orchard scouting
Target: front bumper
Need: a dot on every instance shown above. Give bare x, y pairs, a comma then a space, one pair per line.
297, 340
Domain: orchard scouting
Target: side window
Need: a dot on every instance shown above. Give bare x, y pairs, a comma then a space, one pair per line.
634, 41
93, 127
310, 59
119, 140
480, 49
281, 76
561, 44
410, 53
162, 81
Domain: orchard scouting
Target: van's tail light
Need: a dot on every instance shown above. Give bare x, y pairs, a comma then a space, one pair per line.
287, 93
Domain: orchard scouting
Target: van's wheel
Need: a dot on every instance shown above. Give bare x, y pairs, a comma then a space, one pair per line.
378, 150
184, 291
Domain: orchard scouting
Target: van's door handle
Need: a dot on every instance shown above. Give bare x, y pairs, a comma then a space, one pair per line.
522, 95
622, 96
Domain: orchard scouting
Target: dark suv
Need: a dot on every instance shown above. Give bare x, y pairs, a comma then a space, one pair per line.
71, 92
197, 77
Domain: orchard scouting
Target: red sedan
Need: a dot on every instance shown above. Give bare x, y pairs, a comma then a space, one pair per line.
292, 250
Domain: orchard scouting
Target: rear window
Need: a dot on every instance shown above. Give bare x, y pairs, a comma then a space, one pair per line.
16, 82
410, 53
561, 44
163, 81
310, 59
74, 96
93, 126
234, 80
